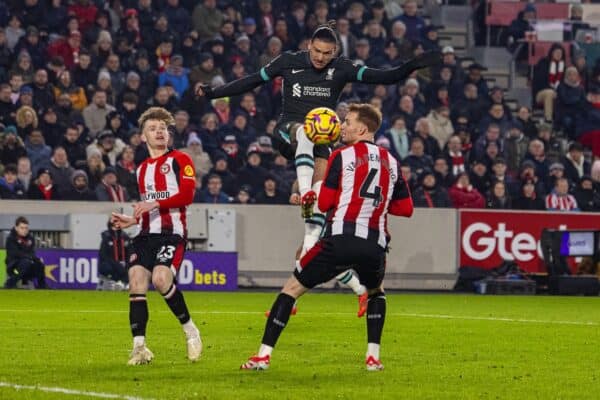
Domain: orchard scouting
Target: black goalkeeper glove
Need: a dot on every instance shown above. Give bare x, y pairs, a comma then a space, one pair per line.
203, 90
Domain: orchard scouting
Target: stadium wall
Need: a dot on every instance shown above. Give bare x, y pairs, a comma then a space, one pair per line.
423, 252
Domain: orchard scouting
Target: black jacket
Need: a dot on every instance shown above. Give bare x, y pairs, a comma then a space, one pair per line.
438, 197
114, 247
527, 203
588, 199
18, 248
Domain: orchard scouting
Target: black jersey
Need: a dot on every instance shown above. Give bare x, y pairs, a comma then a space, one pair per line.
305, 87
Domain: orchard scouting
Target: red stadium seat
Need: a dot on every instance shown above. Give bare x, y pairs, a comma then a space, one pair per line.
502, 13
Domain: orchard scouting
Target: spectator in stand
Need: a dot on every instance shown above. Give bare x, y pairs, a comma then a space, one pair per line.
271, 194
528, 198
499, 174
417, 160
536, 154
454, 156
109, 188
60, 170
201, 159
398, 137
23, 67
414, 24
65, 85
27, 120
11, 146
491, 134
207, 19
556, 172
243, 196
110, 146
476, 78
94, 168
516, 31
570, 99
441, 125
24, 173
464, 195
253, 173
588, 198
528, 126
560, 199
575, 164
113, 257
42, 188
68, 49
43, 95
497, 116
515, 148
32, 44
471, 105
79, 188
176, 75
492, 151
10, 186
21, 262
95, 114
74, 146
37, 150
479, 176
230, 185
587, 125
213, 193
85, 11
547, 75
553, 146
429, 193
498, 198
423, 131
442, 172
116, 125
126, 172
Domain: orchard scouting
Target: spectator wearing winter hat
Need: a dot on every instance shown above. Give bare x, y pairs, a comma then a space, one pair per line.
25, 97
575, 164
79, 188
528, 198
464, 195
11, 146
560, 199
205, 71
244, 196
109, 188
110, 146
231, 150
588, 197
43, 188
201, 159
23, 67
429, 194
270, 193
253, 173
10, 186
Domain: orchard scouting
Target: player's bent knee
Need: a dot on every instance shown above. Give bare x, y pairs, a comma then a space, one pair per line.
162, 278
294, 288
138, 279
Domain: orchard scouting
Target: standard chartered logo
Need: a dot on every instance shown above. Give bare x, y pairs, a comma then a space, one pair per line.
296, 90
313, 91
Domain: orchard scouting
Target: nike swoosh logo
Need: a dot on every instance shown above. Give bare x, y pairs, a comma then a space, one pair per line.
295, 71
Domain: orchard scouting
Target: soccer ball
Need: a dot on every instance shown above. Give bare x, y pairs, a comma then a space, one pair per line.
322, 125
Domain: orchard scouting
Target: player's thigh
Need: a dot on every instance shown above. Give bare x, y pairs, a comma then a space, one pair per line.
318, 265
294, 288
371, 269
139, 278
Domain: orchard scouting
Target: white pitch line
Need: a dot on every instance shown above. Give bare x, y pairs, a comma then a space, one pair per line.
70, 391
408, 315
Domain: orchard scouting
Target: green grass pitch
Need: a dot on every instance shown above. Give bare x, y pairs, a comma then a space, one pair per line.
435, 346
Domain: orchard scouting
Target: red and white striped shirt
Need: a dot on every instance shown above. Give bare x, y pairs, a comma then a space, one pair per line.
169, 180
555, 202
362, 184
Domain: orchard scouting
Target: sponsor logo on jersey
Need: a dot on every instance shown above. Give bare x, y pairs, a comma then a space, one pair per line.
329, 76
296, 90
165, 169
155, 196
188, 170
295, 71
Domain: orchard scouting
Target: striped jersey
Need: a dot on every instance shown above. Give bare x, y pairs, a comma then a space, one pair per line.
170, 180
561, 203
362, 184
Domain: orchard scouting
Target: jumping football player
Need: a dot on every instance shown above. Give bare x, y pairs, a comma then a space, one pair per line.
166, 182
315, 78
363, 183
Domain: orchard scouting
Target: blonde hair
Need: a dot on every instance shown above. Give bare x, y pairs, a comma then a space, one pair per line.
368, 115
21, 117
157, 113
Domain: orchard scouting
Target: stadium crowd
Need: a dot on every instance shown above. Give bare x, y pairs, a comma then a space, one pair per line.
75, 76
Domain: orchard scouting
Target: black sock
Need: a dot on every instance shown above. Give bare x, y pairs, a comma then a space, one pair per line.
375, 317
138, 314
176, 303
278, 318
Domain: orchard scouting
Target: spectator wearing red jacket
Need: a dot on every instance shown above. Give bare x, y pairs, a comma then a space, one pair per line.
464, 195
85, 11
68, 49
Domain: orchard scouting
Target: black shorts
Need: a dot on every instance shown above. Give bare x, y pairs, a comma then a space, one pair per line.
154, 249
335, 254
285, 143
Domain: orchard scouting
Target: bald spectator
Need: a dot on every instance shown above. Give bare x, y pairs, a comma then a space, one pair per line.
414, 24
60, 170
95, 114
560, 199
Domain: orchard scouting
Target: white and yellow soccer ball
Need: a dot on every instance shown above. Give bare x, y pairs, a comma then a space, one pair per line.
322, 125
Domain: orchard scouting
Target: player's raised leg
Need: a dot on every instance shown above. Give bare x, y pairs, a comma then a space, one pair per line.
305, 166
138, 314
375, 320
162, 279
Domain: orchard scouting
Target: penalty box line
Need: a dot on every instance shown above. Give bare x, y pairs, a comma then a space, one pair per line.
406, 315
73, 392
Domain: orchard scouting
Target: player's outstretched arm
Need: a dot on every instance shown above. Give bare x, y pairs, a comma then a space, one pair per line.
394, 75
233, 88
122, 221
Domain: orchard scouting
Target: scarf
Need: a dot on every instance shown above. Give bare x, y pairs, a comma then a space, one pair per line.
46, 191
400, 140
116, 193
428, 198
127, 165
458, 162
555, 73
223, 115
